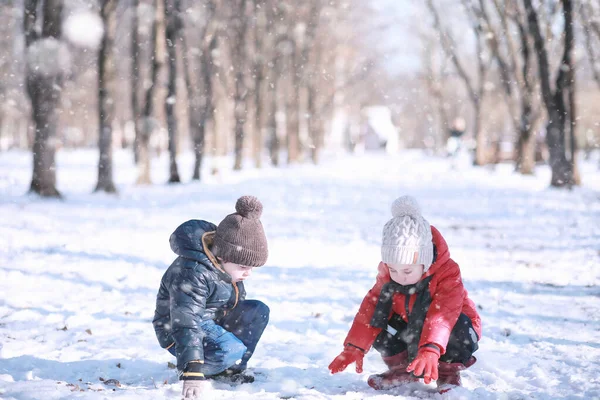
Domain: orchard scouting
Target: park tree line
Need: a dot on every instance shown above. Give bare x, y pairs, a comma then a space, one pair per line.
533, 59
266, 80
261, 77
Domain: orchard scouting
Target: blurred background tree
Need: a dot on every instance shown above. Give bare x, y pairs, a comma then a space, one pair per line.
279, 82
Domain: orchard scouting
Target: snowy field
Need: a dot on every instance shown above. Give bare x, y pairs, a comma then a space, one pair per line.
78, 277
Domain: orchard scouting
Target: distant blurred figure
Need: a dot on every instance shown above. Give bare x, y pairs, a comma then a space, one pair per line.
457, 130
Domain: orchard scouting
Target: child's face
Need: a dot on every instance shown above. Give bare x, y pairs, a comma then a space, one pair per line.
406, 274
236, 271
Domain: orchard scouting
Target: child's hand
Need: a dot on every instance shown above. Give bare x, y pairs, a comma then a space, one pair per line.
426, 364
348, 356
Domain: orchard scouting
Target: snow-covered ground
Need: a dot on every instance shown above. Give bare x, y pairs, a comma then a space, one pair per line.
78, 277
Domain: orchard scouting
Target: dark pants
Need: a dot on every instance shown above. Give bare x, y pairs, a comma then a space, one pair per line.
233, 337
461, 344
247, 322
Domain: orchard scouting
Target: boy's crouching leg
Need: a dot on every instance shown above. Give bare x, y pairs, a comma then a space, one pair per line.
234, 351
221, 350
247, 322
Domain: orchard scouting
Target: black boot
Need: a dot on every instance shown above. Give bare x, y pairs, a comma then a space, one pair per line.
234, 375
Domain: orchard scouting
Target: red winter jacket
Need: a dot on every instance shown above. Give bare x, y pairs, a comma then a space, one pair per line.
449, 299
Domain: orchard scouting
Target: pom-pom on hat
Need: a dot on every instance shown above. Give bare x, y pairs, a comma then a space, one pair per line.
240, 237
407, 236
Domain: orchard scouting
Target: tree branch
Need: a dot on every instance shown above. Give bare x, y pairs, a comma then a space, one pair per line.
449, 48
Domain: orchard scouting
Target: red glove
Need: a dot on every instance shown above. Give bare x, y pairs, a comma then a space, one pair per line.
348, 356
426, 364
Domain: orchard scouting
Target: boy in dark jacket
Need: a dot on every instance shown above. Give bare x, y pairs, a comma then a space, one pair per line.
201, 316
418, 315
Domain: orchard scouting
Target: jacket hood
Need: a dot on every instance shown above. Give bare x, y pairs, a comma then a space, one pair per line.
442, 251
186, 241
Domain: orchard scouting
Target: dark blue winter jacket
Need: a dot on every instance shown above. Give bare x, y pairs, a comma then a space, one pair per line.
194, 288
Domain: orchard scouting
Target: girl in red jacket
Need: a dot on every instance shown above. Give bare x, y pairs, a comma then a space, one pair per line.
418, 315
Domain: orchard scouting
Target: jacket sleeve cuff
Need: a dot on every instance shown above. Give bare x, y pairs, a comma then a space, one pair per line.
356, 347
187, 355
193, 371
432, 348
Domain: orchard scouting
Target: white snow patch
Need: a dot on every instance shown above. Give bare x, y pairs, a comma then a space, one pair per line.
48, 57
84, 29
78, 278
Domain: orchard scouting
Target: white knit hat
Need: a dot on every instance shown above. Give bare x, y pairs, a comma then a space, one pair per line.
407, 236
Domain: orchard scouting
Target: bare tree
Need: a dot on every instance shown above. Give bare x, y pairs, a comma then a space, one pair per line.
173, 26
106, 109
475, 91
591, 30
239, 61
276, 25
135, 76
6, 12
311, 59
292, 90
515, 68
148, 123
435, 81
558, 101
198, 72
261, 40
46, 57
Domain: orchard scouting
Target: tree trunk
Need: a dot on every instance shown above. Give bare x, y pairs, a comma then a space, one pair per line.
147, 124
258, 110
239, 58
260, 48
135, 78
555, 139
525, 155
240, 118
293, 109
274, 144
558, 113
194, 104
481, 156
315, 124
525, 160
572, 105
208, 107
106, 112
44, 87
173, 22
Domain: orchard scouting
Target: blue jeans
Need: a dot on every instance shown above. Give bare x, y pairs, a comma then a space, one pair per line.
232, 337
